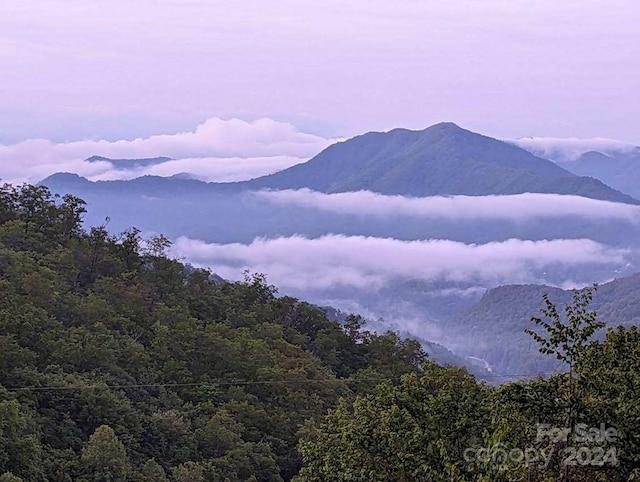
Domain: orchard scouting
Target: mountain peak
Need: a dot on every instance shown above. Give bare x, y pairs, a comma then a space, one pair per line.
445, 126
66, 177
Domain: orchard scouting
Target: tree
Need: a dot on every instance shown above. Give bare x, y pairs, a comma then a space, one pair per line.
104, 459
9, 477
189, 472
417, 430
568, 337
612, 385
151, 471
19, 447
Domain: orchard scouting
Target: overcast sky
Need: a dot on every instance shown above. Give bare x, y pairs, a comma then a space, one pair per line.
121, 69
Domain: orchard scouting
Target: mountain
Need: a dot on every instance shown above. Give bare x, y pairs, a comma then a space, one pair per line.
165, 187
494, 326
443, 159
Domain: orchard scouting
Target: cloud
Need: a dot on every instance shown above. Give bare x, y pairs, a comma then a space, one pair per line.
516, 207
570, 149
216, 150
368, 263
208, 169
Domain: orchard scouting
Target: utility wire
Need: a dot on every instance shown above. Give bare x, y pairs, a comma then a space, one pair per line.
235, 382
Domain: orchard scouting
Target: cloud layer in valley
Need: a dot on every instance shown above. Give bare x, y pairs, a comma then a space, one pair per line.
217, 150
368, 262
516, 207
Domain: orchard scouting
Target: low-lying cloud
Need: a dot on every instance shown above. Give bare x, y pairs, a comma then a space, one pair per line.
368, 263
208, 169
515, 207
570, 149
216, 150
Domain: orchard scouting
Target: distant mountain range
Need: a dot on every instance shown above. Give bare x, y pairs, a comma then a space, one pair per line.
443, 159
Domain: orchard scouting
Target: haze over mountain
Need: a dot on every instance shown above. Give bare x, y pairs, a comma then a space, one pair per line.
615, 163
620, 170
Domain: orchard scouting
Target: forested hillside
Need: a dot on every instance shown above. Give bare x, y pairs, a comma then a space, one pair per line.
120, 363
116, 359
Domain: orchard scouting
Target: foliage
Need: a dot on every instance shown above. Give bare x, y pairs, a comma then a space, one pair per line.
118, 362
417, 430
439, 424
567, 338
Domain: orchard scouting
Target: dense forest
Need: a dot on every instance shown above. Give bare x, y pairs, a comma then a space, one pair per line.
118, 362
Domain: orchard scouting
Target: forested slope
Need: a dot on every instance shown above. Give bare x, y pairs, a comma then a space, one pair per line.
116, 358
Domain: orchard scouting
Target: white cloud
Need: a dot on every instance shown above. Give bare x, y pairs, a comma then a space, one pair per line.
570, 149
209, 169
216, 150
516, 207
368, 262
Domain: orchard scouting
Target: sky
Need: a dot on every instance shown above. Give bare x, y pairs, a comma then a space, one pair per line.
109, 70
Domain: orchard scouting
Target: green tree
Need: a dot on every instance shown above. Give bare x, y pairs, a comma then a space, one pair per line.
567, 337
612, 387
189, 472
417, 430
151, 471
104, 459
20, 451
9, 477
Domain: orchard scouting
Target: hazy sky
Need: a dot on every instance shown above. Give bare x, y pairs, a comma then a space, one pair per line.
72, 70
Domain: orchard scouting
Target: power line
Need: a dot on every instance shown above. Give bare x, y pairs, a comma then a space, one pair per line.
235, 382
194, 384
